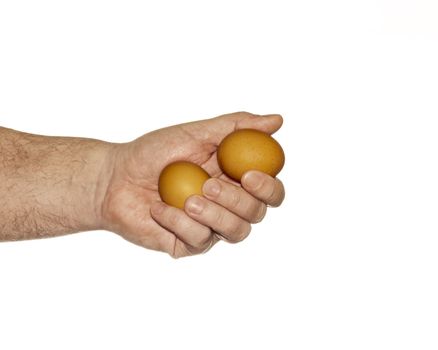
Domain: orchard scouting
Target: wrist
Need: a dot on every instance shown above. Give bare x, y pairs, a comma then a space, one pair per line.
100, 159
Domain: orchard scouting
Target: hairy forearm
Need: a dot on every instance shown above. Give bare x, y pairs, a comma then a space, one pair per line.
50, 185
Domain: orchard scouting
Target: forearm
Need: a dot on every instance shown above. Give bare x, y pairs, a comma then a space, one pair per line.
50, 185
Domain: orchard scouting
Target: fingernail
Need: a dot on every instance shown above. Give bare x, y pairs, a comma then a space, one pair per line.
195, 205
271, 115
253, 180
212, 188
158, 208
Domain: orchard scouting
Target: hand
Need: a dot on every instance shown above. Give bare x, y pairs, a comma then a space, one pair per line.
132, 207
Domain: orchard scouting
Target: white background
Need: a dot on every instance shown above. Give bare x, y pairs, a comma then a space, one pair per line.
350, 261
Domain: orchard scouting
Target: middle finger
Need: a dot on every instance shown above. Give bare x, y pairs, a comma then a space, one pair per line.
235, 199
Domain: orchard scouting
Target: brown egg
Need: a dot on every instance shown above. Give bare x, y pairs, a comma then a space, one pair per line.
180, 180
249, 149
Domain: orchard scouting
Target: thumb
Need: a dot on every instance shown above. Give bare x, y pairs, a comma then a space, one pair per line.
217, 128
268, 123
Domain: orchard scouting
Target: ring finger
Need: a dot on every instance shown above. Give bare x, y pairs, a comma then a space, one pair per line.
224, 222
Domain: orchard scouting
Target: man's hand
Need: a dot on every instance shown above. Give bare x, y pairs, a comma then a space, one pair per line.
132, 207
51, 186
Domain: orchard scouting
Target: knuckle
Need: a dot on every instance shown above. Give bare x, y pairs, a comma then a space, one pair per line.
180, 250
174, 220
277, 195
219, 218
240, 232
206, 245
260, 213
175, 252
202, 240
245, 231
282, 194
193, 250
244, 114
235, 200
272, 195
178, 223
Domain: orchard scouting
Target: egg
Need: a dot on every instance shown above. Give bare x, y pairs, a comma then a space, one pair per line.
180, 180
249, 149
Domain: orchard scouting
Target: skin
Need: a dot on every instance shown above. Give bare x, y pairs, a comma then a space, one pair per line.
54, 185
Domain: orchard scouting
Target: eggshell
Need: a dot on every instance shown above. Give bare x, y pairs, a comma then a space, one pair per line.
249, 149
180, 180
